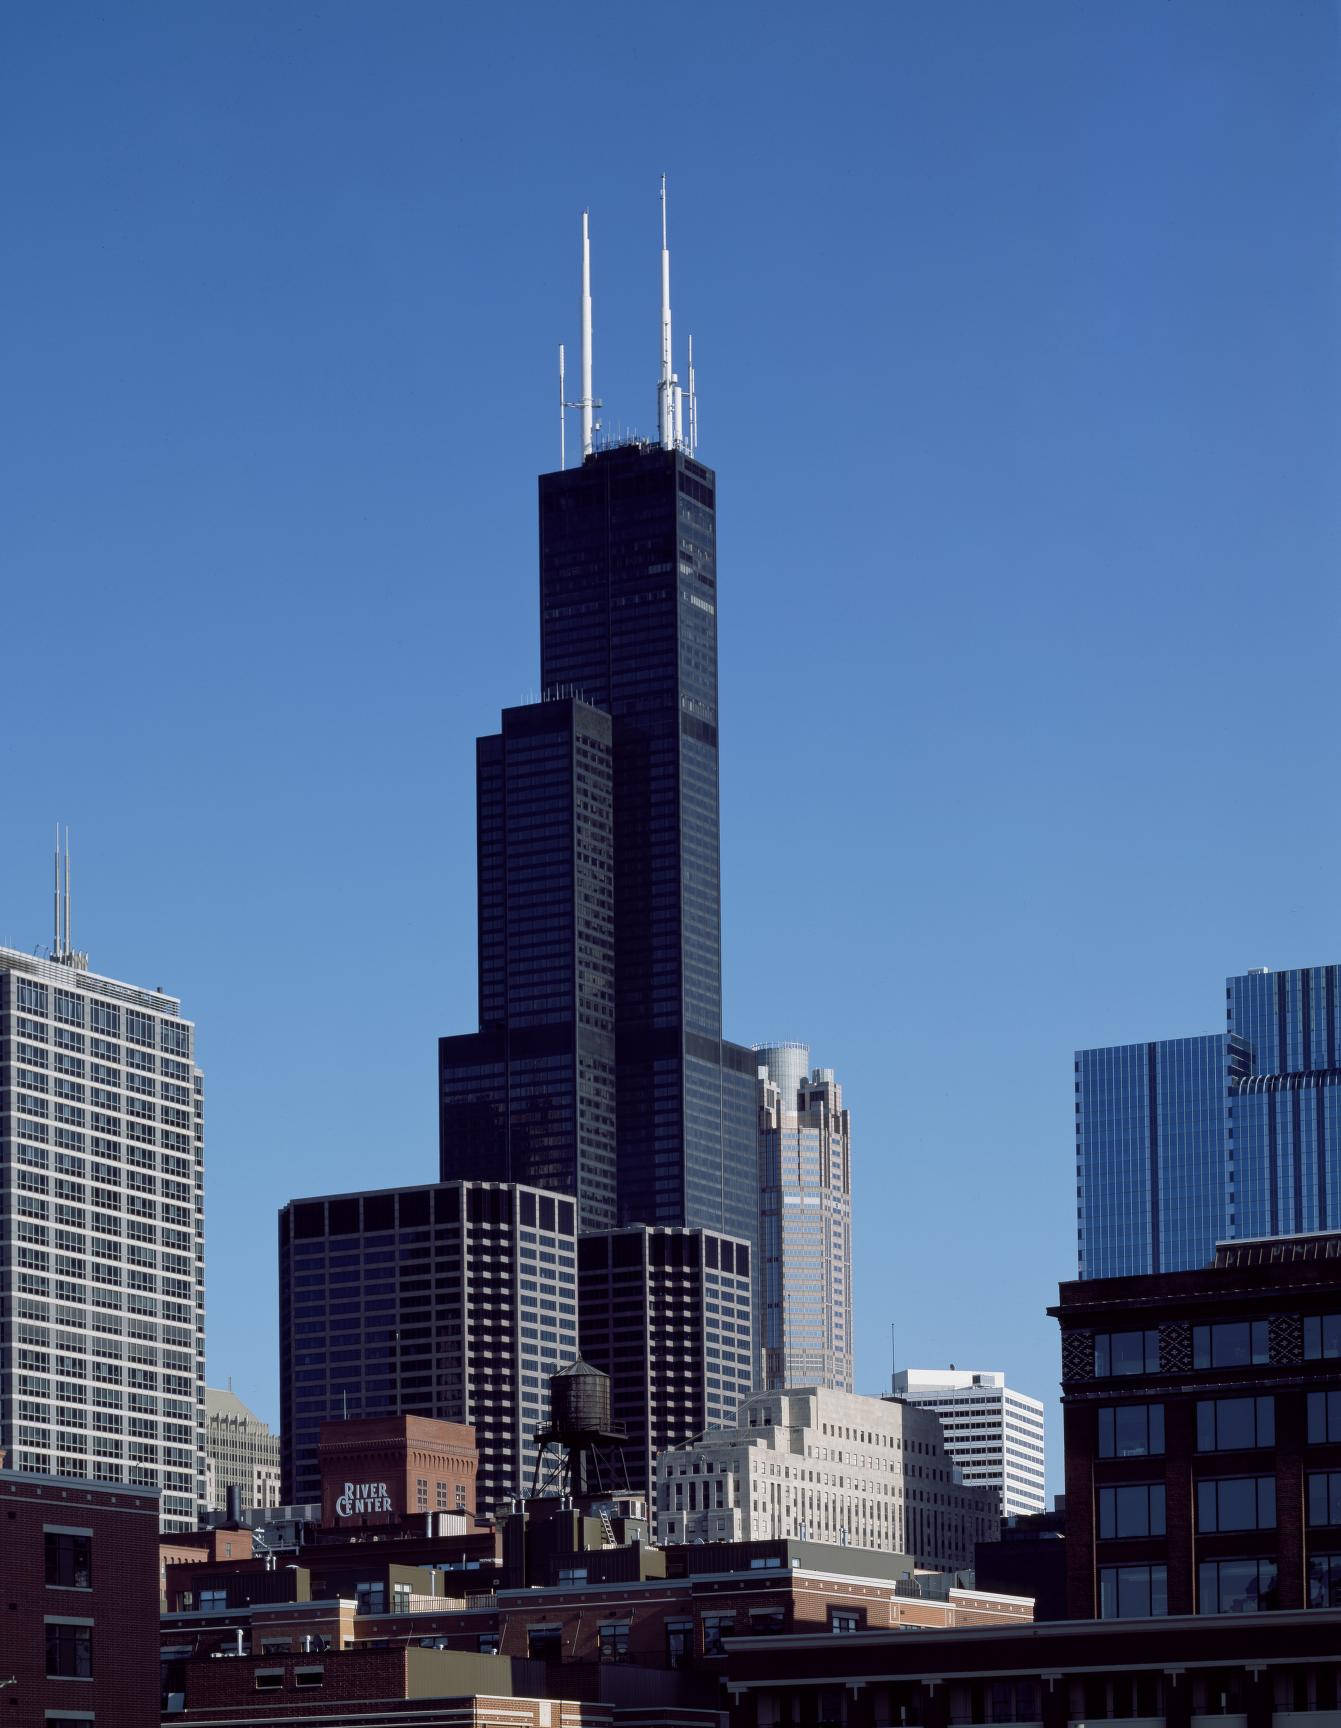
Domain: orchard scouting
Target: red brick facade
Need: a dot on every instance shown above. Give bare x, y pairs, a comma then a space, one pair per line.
78, 1592
387, 1470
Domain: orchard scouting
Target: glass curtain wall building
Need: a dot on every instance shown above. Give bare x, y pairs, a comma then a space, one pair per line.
804, 1262
530, 1098
628, 622
1190, 1141
599, 877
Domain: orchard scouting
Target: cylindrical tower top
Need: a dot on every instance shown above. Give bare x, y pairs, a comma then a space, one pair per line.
788, 1066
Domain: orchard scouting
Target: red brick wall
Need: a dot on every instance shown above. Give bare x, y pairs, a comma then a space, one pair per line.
122, 1601
400, 1451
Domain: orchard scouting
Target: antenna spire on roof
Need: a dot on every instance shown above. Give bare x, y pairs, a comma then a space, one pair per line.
587, 402
667, 389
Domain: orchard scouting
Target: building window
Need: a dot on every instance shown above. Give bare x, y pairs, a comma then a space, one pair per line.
215, 1600
544, 1643
767, 1622
1133, 1592
679, 1643
400, 1598
69, 1560
1131, 1430
309, 1676
69, 1651
1125, 1353
1324, 1580
1324, 1417
1235, 1424
421, 1493
1237, 1503
844, 1620
370, 1596
1322, 1336
269, 1679
715, 1628
487, 1643
1230, 1344
460, 1496
1324, 1496
612, 1641
1236, 1586
1132, 1509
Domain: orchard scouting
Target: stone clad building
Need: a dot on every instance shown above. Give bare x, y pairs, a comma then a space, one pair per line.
827, 1466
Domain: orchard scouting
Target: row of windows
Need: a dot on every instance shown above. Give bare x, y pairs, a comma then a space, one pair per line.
1223, 1344
1234, 1586
1223, 1425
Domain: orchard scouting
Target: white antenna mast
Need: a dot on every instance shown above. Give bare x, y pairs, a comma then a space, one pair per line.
56, 900
69, 945
587, 402
693, 404
667, 390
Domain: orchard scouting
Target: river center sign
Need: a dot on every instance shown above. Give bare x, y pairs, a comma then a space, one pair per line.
360, 1498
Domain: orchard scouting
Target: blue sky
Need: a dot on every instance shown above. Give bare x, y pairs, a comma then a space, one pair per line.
1017, 339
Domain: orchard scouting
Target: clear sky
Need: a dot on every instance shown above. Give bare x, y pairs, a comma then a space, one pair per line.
1017, 338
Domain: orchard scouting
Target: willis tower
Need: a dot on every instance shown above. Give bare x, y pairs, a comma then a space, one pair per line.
600, 1068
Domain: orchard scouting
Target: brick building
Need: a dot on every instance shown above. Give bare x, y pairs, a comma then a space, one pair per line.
392, 1469
1274, 1671
1202, 1416
373, 1683
79, 1596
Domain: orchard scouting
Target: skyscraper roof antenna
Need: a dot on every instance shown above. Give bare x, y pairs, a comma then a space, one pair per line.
668, 390
588, 403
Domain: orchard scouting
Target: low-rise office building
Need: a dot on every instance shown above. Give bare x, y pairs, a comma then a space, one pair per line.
813, 1463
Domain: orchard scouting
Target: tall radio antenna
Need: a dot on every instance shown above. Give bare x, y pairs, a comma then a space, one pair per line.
693, 404
62, 912
586, 402
668, 390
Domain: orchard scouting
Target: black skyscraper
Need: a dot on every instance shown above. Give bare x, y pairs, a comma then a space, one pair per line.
531, 1097
628, 600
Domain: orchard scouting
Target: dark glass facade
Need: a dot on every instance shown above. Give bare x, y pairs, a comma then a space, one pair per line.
628, 621
668, 1315
1190, 1141
456, 1300
599, 1068
531, 1097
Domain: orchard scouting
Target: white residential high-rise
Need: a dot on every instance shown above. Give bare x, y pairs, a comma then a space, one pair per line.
242, 1451
826, 1466
994, 1435
102, 1255
803, 1282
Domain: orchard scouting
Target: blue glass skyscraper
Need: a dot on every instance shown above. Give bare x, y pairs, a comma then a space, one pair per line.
1190, 1141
